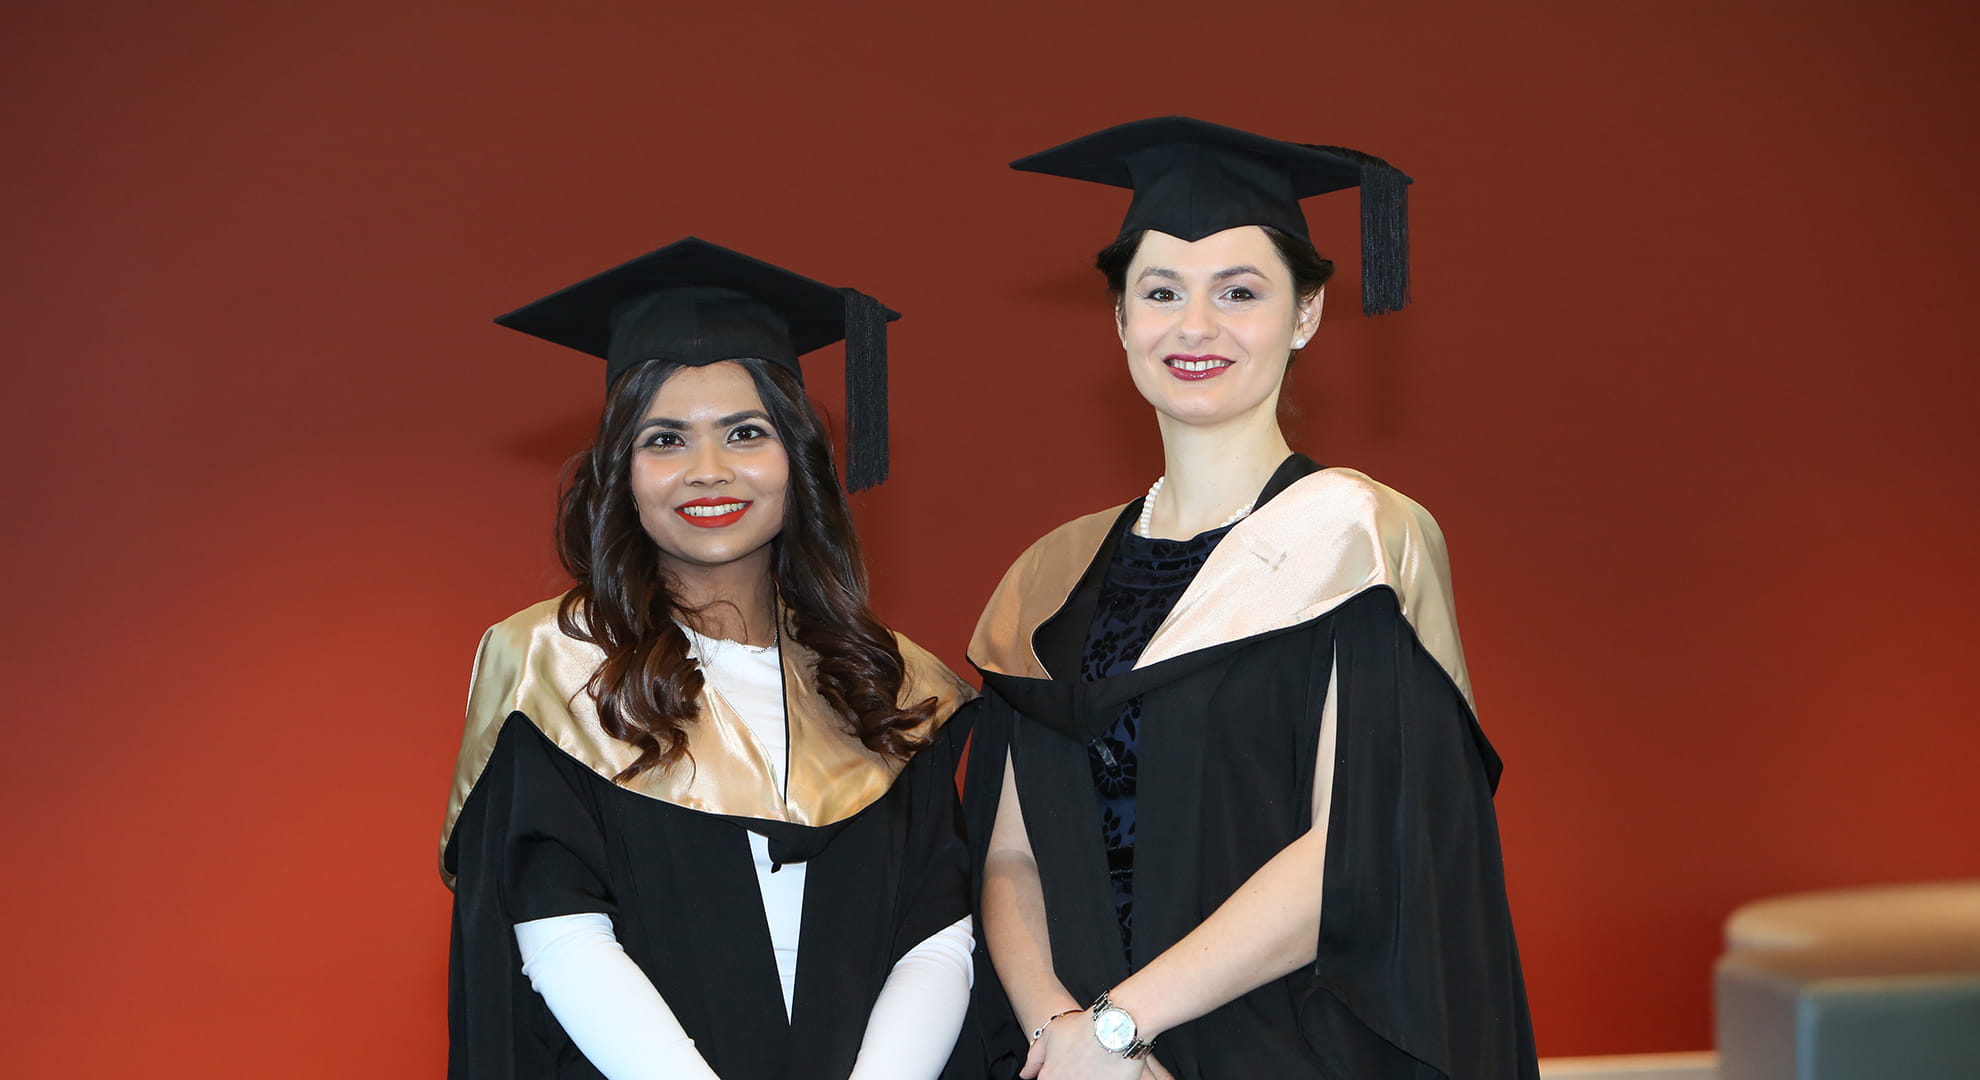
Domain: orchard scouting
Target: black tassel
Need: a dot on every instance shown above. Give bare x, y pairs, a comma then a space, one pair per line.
1384, 238
1384, 231
866, 391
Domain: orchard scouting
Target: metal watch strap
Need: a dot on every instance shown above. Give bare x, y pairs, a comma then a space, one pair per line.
1133, 1051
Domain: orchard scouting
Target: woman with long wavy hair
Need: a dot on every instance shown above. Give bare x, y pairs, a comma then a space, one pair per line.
703, 823
1231, 806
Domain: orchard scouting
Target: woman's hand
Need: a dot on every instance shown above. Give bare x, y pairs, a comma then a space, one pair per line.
1068, 1051
1153, 1070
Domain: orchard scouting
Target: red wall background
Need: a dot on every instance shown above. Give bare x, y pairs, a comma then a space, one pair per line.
1688, 380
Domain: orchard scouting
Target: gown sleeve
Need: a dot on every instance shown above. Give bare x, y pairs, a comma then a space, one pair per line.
993, 1024
936, 861
1417, 974
528, 845
944, 871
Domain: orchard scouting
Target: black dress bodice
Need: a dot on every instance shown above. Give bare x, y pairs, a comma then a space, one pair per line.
1144, 581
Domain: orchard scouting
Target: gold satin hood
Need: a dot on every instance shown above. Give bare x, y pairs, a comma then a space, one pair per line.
1328, 536
528, 665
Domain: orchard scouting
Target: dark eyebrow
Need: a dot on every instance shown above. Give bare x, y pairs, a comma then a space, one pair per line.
1221, 275
682, 425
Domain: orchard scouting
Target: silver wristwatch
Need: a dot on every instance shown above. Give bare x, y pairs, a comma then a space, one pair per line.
1115, 1029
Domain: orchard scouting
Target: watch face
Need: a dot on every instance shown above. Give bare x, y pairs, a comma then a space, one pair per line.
1114, 1028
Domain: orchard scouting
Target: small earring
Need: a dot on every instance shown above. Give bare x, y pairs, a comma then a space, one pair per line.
1299, 343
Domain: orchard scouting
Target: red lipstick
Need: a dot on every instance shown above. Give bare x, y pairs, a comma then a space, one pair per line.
1196, 368
709, 520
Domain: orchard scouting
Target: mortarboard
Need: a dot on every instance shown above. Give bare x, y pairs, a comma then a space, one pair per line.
1192, 178
693, 302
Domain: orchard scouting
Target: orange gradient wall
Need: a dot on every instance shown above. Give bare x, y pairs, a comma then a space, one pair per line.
1688, 381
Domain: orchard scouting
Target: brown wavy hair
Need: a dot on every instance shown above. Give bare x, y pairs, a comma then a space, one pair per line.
623, 602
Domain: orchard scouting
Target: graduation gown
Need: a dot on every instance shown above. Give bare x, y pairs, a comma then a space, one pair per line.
537, 828
1333, 580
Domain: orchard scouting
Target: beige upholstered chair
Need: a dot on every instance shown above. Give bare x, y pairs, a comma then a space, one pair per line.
1853, 984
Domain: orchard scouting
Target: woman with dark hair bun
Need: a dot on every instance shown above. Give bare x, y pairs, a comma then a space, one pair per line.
704, 820
1230, 807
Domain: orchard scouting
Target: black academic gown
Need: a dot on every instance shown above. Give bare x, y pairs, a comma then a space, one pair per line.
1333, 579
538, 830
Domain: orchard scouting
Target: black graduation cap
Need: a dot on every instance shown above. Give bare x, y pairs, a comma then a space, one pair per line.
693, 302
1192, 178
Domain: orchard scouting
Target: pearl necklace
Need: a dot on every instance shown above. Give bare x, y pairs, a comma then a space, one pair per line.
1148, 510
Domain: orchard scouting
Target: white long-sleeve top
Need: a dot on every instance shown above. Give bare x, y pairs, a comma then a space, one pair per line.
624, 1027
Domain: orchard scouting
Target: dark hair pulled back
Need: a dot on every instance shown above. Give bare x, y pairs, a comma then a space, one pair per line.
1310, 272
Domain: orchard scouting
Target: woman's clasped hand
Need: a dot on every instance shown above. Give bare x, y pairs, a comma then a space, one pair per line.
1067, 1050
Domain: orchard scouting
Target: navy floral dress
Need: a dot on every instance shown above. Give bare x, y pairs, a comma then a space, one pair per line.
1144, 582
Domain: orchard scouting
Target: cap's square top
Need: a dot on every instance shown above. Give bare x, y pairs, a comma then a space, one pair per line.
1192, 178
696, 303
